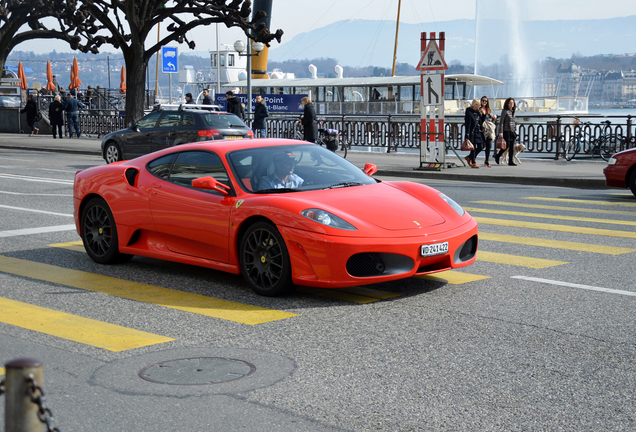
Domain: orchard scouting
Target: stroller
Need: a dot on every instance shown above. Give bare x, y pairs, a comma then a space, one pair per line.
329, 138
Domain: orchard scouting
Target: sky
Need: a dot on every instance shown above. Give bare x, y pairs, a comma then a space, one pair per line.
298, 16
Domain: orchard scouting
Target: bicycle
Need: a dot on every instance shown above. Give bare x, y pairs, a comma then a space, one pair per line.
604, 145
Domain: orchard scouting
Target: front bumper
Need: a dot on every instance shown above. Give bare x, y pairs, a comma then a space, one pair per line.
336, 262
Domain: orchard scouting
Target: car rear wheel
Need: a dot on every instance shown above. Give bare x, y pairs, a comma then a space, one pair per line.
265, 261
632, 182
99, 233
112, 153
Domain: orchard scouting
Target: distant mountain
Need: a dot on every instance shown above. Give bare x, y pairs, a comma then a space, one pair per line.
359, 43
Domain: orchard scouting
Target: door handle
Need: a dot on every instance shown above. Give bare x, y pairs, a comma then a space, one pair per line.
156, 185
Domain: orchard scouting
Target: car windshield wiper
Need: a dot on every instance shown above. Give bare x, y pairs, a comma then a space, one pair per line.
344, 184
281, 190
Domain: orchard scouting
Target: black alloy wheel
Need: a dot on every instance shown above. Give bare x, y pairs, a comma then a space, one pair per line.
99, 233
112, 152
265, 261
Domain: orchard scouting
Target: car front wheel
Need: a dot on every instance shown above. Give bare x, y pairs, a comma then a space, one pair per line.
99, 233
265, 261
112, 153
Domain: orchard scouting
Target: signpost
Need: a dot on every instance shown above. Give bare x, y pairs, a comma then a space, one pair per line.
432, 66
170, 65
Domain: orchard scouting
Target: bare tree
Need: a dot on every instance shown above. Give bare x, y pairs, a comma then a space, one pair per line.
127, 24
14, 14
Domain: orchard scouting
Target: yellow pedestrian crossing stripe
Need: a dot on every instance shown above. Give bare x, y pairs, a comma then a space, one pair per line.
1, 371
557, 208
588, 202
75, 328
549, 216
453, 277
556, 227
517, 260
194, 303
555, 244
76, 246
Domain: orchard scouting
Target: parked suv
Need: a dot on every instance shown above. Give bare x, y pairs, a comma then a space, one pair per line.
171, 125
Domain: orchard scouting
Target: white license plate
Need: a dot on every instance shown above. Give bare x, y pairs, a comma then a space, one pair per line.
434, 249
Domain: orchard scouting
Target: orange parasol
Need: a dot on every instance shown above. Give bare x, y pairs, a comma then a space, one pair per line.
122, 86
75, 81
49, 77
22, 77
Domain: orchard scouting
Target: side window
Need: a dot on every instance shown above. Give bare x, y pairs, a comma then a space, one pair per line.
170, 119
148, 121
230, 59
194, 164
187, 120
161, 167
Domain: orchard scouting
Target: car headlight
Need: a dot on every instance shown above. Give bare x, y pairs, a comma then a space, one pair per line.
612, 161
460, 211
328, 219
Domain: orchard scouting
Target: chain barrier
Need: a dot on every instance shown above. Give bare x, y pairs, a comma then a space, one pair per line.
37, 397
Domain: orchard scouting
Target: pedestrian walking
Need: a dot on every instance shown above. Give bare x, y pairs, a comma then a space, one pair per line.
207, 99
260, 115
72, 107
31, 110
472, 126
234, 105
488, 127
56, 116
309, 120
507, 129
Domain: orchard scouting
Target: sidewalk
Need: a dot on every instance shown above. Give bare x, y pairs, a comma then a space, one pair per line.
534, 170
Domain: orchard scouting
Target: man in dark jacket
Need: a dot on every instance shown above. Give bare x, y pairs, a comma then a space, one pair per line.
207, 99
72, 107
260, 114
56, 116
234, 105
309, 120
188, 98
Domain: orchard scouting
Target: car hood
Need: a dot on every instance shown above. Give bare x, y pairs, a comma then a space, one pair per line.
378, 204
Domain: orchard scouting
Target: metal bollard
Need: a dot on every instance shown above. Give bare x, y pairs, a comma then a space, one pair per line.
21, 415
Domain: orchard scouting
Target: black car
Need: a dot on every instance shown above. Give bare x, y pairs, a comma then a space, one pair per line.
164, 128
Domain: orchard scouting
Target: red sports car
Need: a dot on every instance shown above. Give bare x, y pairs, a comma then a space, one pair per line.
621, 170
281, 212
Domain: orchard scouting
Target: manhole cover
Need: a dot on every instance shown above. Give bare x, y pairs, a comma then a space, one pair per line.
197, 371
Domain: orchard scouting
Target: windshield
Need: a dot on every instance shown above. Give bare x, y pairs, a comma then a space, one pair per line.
293, 168
222, 121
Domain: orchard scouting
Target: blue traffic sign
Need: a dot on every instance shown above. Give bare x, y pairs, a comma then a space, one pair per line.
169, 60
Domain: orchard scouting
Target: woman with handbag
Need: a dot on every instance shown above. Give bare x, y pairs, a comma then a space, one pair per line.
507, 129
472, 125
488, 126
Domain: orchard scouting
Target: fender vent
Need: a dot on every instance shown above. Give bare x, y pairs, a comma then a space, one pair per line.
131, 175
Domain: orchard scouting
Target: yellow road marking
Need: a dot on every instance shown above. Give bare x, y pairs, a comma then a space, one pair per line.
517, 260
556, 227
1, 371
360, 295
75, 328
549, 216
555, 244
590, 202
77, 246
453, 277
194, 303
547, 207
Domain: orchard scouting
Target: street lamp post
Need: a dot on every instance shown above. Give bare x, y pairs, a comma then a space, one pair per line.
239, 46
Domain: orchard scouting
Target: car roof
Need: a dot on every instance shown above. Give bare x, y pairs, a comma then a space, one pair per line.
188, 107
226, 146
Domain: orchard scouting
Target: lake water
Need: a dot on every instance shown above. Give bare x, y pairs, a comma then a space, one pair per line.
613, 111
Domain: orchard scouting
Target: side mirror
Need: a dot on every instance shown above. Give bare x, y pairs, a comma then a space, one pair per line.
210, 183
370, 169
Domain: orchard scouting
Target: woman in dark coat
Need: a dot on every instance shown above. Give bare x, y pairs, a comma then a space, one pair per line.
472, 125
507, 129
309, 120
56, 115
31, 110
